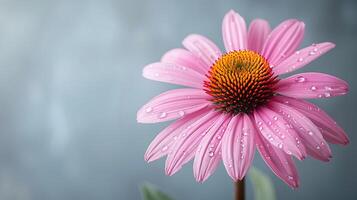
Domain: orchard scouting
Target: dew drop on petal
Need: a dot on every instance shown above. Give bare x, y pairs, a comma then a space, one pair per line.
311, 53
300, 60
211, 154
148, 109
181, 113
275, 118
164, 148
328, 88
313, 88
327, 94
163, 115
300, 79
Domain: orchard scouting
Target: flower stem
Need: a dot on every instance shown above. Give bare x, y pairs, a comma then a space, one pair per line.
239, 188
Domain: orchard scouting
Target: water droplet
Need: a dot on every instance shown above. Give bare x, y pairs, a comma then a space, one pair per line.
260, 123
300, 59
327, 94
310, 132
163, 115
297, 53
275, 118
219, 137
181, 113
148, 109
272, 66
313, 88
164, 148
316, 49
311, 53
280, 145
318, 147
328, 88
290, 177
300, 79
211, 154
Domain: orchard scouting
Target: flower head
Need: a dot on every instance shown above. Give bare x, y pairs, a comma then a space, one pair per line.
237, 101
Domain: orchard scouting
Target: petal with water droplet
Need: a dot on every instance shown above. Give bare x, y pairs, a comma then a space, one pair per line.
175, 74
163, 142
277, 133
283, 40
208, 157
330, 130
312, 85
306, 55
188, 141
172, 104
183, 57
310, 134
279, 162
238, 146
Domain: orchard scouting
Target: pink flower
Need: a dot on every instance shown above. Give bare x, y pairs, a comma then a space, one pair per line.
237, 101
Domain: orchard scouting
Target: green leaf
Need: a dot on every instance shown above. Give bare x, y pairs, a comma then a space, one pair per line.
151, 192
262, 185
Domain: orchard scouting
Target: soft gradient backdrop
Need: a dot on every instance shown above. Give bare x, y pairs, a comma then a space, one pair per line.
70, 86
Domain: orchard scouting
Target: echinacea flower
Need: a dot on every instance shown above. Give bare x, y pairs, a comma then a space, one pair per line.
237, 101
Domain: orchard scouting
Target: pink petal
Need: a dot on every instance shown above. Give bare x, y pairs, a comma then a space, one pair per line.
283, 41
164, 141
234, 32
182, 57
187, 142
175, 74
310, 135
302, 57
279, 162
258, 32
330, 130
208, 153
312, 85
172, 104
278, 132
203, 48
238, 146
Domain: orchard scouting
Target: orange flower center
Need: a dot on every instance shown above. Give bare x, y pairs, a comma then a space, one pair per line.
240, 81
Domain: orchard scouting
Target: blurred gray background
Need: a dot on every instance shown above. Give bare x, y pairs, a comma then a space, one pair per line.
70, 86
